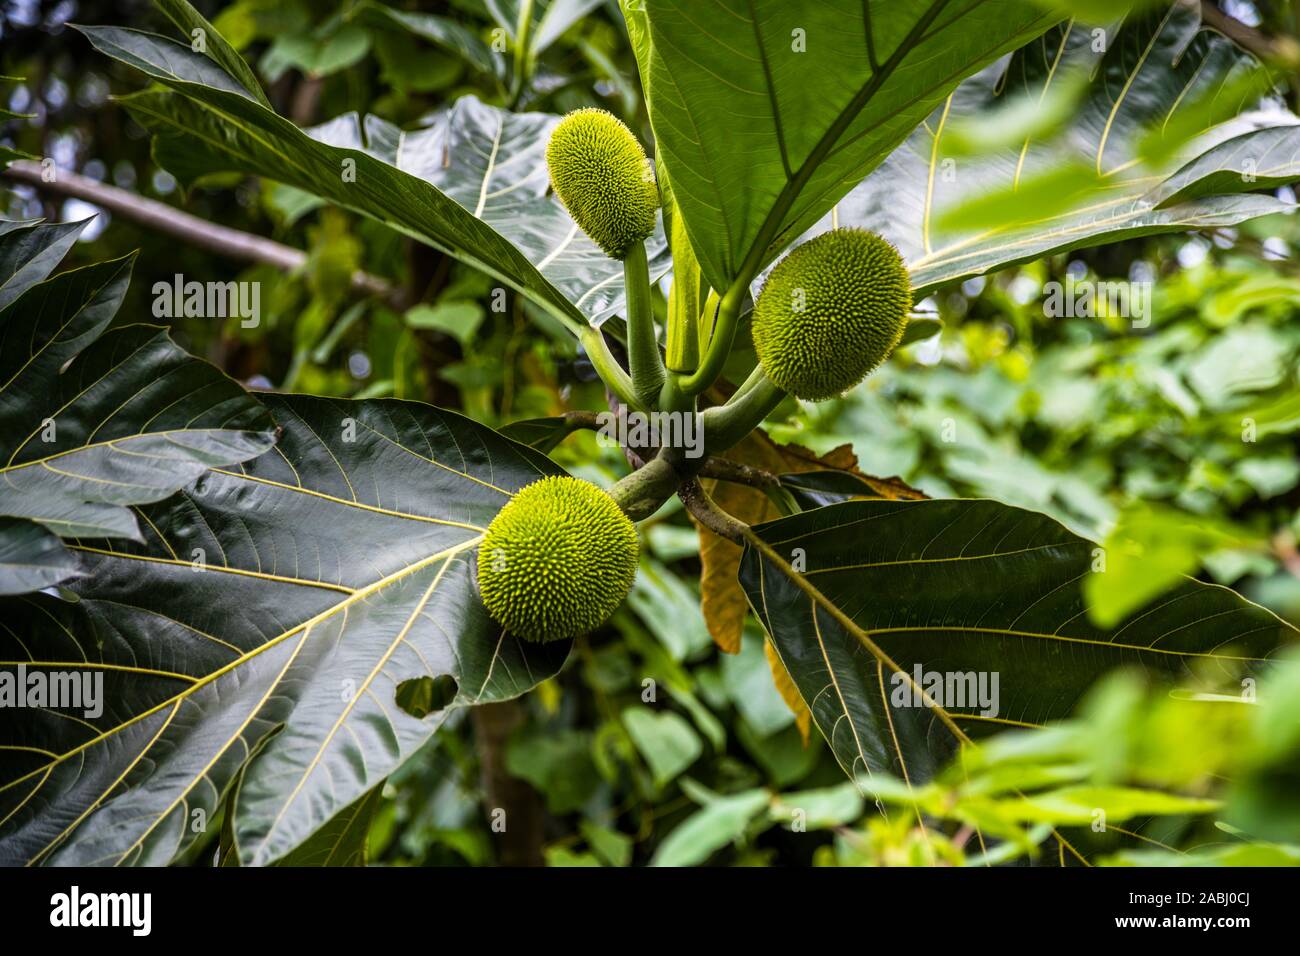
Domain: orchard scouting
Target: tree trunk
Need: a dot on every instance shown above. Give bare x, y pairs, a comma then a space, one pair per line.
514, 808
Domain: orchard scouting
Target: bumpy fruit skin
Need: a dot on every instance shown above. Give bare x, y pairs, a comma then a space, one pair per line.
831, 312
601, 174
557, 560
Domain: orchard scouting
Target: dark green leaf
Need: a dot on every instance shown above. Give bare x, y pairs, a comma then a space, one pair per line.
342, 841
540, 433
92, 422
443, 32
188, 20
31, 557
30, 251
861, 595
295, 593
239, 134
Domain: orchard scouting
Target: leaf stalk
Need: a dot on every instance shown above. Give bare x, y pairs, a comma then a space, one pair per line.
644, 360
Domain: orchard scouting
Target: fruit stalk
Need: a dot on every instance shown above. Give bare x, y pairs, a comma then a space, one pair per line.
607, 367
724, 335
643, 492
754, 377
643, 357
727, 424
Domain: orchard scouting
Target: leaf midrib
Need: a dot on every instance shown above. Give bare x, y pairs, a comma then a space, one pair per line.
347, 602
794, 186
882, 658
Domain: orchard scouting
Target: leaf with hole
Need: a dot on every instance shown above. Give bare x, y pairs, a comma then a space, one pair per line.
279, 609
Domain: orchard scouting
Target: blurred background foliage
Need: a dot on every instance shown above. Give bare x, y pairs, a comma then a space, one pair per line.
1176, 444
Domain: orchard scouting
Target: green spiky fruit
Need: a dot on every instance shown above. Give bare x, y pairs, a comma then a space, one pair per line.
601, 174
831, 312
557, 560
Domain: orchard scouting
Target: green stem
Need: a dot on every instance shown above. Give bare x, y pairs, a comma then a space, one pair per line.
755, 376
724, 334
643, 492
523, 41
727, 424
644, 360
672, 398
607, 367
708, 316
682, 337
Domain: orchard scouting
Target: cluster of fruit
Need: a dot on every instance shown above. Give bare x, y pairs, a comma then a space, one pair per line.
561, 556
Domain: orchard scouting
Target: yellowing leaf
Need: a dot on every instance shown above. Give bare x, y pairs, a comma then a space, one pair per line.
722, 600
789, 693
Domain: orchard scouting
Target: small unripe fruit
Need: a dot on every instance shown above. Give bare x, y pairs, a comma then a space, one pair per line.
831, 312
601, 174
557, 560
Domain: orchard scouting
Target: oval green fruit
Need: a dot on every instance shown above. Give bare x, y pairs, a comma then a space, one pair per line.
602, 175
557, 560
831, 312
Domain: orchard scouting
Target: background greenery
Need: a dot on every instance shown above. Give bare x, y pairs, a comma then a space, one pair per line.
1080, 418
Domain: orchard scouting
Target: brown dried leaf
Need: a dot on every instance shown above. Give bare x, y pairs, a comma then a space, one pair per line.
788, 691
722, 601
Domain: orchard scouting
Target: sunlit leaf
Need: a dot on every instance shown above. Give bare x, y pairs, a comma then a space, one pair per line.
1144, 73
715, 825
798, 137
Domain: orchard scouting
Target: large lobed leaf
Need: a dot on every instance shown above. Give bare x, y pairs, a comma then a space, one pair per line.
274, 610
493, 162
473, 185
856, 593
92, 421
1154, 67
767, 112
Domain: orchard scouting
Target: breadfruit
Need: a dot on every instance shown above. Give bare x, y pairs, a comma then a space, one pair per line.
557, 560
601, 174
831, 312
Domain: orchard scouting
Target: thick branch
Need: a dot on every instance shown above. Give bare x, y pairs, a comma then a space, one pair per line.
524, 818
1282, 51
725, 469
702, 509
641, 493
190, 228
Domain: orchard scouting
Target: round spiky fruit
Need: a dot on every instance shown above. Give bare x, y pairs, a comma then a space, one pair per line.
831, 312
601, 174
557, 560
